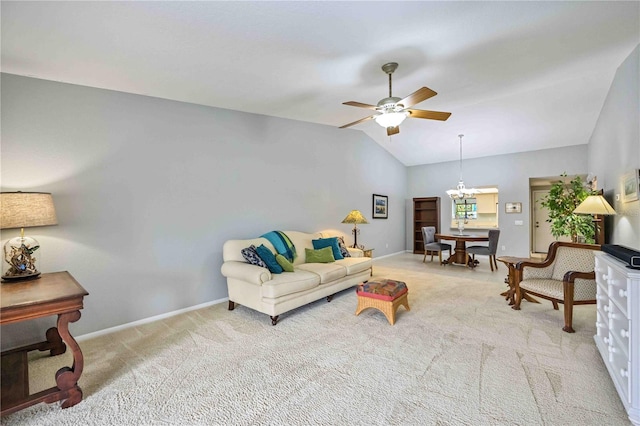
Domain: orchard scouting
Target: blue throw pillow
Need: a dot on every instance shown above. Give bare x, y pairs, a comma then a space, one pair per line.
270, 259
329, 242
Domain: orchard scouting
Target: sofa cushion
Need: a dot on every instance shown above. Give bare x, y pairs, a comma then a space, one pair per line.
284, 284
326, 271
270, 259
355, 264
301, 240
329, 242
284, 262
323, 255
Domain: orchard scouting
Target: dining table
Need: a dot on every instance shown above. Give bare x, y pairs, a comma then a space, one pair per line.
460, 255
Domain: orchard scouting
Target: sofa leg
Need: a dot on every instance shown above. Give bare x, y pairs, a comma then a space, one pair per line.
274, 320
330, 297
232, 305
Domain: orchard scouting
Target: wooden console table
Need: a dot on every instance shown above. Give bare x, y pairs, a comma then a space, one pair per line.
55, 293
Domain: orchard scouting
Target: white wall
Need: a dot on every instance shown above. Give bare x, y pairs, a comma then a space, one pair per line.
510, 173
614, 149
147, 190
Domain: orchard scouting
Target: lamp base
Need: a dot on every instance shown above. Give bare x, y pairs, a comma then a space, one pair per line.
16, 278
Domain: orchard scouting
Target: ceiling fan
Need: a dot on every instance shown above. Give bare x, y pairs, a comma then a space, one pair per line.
392, 110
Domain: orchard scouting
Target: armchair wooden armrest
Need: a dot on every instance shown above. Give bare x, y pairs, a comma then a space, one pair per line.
568, 282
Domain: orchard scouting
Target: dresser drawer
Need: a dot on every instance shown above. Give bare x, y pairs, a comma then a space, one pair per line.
619, 328
620, 365
618, 290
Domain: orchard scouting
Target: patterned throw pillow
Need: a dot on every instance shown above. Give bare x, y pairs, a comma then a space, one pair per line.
251, 256
343, 247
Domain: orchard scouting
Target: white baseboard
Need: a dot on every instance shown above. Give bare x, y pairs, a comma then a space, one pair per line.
148, 320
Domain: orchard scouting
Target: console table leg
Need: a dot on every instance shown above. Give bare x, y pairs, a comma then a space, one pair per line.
67, 378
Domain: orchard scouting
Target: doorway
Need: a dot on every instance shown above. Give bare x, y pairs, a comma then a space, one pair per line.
541, 237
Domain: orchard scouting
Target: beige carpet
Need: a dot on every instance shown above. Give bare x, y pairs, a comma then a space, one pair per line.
461, 356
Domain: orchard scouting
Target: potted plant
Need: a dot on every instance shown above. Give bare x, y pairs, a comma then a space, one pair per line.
562, 200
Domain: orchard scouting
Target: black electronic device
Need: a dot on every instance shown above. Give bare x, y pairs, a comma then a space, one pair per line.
630, 256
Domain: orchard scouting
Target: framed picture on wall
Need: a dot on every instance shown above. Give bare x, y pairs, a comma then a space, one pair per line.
513, 207
380, 206
630, 186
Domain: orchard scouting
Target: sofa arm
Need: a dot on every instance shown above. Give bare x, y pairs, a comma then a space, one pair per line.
355, 252
246, 272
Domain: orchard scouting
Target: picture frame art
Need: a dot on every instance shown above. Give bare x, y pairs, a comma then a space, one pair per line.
630, 186
380, 208
513, 207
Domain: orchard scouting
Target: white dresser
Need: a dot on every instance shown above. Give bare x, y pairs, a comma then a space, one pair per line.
618, 328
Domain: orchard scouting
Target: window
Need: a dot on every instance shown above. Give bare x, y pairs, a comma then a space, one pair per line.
465, 209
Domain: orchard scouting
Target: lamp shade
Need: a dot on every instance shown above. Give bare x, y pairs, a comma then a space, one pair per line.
355, 217
26, 209
595, 204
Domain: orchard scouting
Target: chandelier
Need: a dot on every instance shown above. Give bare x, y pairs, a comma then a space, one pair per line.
461, 192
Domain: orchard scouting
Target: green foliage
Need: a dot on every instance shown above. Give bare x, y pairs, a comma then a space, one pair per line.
562, 200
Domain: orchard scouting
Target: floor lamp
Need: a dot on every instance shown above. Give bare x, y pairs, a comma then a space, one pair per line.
356, 218
598, 206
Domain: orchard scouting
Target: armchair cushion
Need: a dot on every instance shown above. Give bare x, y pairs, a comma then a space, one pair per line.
572, 259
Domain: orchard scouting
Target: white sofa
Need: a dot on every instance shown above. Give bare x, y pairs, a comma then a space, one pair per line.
273, 294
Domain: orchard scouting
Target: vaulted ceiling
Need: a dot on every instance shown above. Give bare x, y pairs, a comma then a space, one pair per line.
516, 76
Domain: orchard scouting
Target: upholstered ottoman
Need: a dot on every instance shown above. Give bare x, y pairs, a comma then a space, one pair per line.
384, 295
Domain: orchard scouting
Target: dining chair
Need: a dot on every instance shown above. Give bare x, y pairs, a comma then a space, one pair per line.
431, 245
489, 250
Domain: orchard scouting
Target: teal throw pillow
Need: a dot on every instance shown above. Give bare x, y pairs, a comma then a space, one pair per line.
329, 242
323, 255
269, 258
284, 262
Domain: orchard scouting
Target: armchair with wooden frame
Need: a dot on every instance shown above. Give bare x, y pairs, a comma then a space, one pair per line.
566, 276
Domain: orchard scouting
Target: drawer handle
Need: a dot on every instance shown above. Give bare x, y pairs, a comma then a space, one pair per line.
624, 333
605, 276
599, 324
622, 293
613, 316
624, 373
606, 340
606, 308
613, 350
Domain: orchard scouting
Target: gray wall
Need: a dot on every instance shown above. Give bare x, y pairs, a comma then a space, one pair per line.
614, 149
510, 173
148, 190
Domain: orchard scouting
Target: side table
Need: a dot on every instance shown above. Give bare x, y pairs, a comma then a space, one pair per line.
55, 293
510, 262
368, 252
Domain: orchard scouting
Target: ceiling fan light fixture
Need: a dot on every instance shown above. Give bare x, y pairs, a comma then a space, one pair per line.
391, 119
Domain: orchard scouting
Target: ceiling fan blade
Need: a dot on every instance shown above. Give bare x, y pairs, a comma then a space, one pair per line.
418, 96
359, 105
393, 130
357, 122
431, 115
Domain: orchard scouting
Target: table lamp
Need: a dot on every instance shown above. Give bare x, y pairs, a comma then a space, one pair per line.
24, 210
596, 205
356, 218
